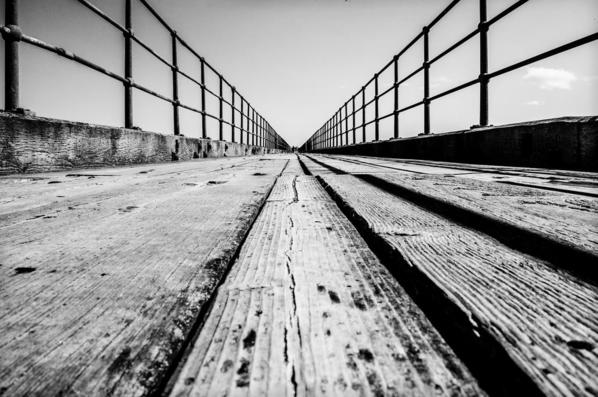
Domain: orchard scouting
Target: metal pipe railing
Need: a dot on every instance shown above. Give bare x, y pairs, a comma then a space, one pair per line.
12, 35
325, 136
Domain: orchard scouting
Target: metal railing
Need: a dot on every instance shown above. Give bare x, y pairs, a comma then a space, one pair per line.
333, 133
252, 128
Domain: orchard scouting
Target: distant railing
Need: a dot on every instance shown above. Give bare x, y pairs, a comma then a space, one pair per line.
332, 133
253, 129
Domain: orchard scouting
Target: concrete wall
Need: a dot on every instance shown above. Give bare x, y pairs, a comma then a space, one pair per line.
563, 143
36, 144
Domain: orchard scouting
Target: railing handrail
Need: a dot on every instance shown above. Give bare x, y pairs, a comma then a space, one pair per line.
256, 128
331, 134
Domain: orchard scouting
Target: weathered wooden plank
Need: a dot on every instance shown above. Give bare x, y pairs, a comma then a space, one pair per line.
307, 309
499, 301
576, 182
562, 220
24, 194
99, 294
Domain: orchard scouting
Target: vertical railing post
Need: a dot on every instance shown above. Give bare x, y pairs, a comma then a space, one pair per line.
483, 28
331, 133
260, 131
252, 126
320, 142
175, 85
426, 66
363, 113
220, 109
338, 132
346, 124
376, 113
242, 121
316, 142
128, 66
232, 114
318, 139
396, 97
341, 131
12, 35
204, 132
257, 129
353, 117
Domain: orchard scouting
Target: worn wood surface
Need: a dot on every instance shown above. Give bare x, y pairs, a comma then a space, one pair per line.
308, 310
546, 320
567, 218
103, 273
576, 182
109, 281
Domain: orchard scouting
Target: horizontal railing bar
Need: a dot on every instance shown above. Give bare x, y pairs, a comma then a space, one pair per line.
156, 15
139, 41
454, 46
410, 44
506, 11
148, 91
555, 51
443, 13
69, 55
386, 91
410, 75
405, 49
146, 47
454, 89
151, 51
103, 15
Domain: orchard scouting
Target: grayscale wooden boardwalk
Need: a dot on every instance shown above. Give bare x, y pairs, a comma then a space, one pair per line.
299, 275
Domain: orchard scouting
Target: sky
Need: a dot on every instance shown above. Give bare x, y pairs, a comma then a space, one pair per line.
298, 61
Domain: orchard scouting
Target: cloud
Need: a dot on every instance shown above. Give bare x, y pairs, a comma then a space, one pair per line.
590, 78
534, 103
550, 79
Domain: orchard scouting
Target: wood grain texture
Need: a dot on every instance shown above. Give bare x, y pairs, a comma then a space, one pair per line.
307, 309
568, 219
102, 279
544, 319
575, 182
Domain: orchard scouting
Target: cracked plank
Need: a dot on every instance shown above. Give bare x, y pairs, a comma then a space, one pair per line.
307, 309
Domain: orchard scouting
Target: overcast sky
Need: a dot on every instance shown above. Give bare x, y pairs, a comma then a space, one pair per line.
297, 61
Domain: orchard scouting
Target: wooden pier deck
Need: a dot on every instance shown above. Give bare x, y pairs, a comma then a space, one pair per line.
299, 275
